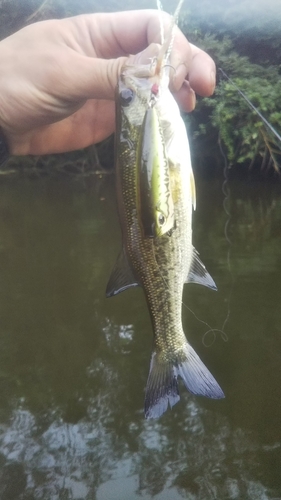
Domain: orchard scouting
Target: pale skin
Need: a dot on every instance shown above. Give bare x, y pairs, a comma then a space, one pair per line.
58, 77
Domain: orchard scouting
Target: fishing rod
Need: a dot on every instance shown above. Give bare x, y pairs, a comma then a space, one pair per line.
250, 104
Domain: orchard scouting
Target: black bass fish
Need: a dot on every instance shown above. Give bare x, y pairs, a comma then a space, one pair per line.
160, 264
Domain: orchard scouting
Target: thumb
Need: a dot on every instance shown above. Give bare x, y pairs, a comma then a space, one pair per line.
107, 71
94, 78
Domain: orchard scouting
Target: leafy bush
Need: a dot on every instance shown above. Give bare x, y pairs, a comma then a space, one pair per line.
227, 115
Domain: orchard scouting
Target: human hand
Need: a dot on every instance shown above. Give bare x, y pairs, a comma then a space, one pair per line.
58, 77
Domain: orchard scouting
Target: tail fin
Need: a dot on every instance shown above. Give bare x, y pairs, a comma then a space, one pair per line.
162, 386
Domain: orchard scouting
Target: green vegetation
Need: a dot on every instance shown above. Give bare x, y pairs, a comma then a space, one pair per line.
252, 59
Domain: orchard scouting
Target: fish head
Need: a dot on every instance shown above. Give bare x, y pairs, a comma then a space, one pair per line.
139, 87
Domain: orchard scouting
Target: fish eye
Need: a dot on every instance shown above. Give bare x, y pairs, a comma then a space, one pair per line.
161, 219
126, 97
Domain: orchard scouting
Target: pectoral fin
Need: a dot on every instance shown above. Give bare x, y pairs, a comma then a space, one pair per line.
121, 277
199, 274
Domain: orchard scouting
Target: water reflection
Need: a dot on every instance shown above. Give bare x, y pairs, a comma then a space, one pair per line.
73, 365
201, 457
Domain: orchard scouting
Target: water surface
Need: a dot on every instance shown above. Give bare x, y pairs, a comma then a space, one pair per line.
73, 364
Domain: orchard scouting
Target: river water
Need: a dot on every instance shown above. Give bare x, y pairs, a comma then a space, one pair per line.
73, 364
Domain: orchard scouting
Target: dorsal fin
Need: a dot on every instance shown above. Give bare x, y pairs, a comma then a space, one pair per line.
199, 274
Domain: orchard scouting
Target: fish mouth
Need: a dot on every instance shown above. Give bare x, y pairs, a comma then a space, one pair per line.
148, 70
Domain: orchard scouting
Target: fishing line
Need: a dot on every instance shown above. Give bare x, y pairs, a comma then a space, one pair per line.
226, 204
175, 22
225, 186
171, 32
250, 104
226, 192
213, 330
160, 10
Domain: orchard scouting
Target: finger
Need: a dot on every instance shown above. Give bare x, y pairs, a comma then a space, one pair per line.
111, 35
116, 34
90, 78
180, 60
202, 72
186, 97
